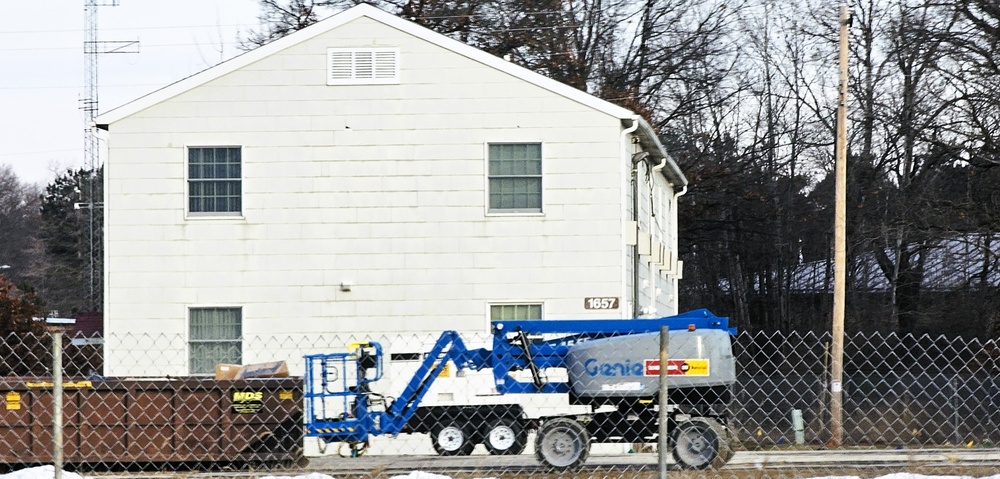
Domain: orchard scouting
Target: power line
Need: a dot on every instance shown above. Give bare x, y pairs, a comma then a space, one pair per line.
230, 25
187, 44
172, 27
483, 15
28, 153
77, 87
144, 45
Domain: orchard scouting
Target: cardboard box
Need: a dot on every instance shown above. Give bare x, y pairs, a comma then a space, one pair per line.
226, 371
274, 369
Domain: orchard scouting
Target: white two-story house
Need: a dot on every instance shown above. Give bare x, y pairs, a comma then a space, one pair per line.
368, 177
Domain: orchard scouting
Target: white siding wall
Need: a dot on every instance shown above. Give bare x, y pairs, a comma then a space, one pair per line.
657, 273
382, 186
663, 231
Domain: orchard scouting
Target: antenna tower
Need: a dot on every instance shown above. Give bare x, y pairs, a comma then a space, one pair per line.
91, 190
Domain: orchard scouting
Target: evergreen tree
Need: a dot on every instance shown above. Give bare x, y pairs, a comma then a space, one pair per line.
64, 278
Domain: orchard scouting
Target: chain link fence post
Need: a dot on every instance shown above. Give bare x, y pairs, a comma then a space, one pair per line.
663, 441
57, 402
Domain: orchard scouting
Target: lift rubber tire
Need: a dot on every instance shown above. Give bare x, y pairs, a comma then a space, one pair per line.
562, 444
700, 443
505, 437
452, 439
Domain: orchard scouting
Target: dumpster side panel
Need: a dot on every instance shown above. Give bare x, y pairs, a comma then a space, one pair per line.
41, 408
150, 431
189, 420
102, 426
265, 419
17, 421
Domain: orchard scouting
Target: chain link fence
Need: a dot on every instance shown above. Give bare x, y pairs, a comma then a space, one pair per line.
910, 404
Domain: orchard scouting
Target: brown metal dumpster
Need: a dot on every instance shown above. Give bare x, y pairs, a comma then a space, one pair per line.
153, 421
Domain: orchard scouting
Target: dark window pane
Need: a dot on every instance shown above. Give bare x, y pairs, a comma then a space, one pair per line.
507, 312
515, 176
515, 193
216, 336
214, 182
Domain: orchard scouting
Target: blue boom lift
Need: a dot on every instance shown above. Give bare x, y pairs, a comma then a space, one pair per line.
608, 362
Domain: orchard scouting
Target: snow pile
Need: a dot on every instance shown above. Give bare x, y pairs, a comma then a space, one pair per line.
420, 475
48, 472
311, 475
40, 472
315, 475
907, 475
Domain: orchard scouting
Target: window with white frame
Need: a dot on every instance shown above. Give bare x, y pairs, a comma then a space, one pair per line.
511, 312
215, 336
215, 184
515, 177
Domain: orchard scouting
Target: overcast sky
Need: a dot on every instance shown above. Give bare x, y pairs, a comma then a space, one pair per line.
42, 67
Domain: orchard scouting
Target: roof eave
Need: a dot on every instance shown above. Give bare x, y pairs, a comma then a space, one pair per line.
650, 143
218, 70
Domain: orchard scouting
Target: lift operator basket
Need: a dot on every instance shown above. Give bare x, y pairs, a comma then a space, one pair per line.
337, 393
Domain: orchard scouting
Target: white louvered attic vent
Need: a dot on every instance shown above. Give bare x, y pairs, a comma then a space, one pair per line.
362, 66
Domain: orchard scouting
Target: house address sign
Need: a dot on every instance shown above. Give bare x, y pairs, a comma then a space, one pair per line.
606, 302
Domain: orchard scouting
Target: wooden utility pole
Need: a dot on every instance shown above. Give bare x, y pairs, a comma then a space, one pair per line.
840, 246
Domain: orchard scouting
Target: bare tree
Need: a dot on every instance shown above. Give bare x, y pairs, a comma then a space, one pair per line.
976, 50
279, 18
19, 223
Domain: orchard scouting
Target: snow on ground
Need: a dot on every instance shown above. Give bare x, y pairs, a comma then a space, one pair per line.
47, 472
315, 475
39, 472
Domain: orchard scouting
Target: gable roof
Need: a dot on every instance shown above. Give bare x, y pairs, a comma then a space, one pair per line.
647, 135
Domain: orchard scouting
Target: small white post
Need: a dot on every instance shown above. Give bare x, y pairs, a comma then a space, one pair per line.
798, 426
